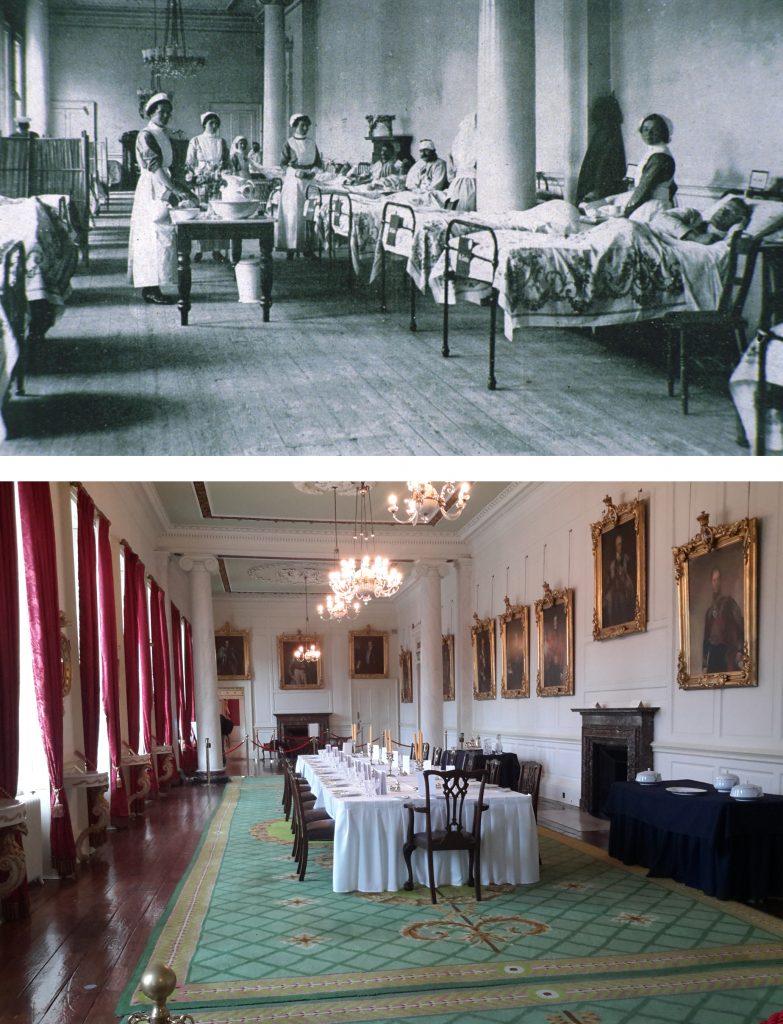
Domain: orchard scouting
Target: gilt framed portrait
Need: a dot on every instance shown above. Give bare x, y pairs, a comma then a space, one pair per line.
717, 598
447, 665
515, 650
295, 673
482, 638
555, 629
368, 654
620, 557
406, 676
232, 653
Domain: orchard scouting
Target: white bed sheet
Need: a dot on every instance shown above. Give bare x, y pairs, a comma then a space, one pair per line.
369, 834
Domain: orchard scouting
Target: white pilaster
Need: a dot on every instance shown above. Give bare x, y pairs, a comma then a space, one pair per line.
207, 710
506, 173
37, 64
274, 81
431, 686
463, 652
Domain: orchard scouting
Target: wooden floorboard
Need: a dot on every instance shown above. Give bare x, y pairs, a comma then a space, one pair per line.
331, 375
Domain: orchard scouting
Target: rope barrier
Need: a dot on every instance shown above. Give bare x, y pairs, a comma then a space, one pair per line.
230, 750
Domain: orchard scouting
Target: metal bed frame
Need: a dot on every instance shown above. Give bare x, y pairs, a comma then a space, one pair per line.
396, 223
464, 255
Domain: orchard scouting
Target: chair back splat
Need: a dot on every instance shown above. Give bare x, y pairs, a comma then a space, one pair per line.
530, 781
445, 824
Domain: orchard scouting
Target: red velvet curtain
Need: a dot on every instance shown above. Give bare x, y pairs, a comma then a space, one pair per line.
89, 653
189, 753
110, 662
15, 904
35, 505
145, 667
161, 669
130, 637
186, 745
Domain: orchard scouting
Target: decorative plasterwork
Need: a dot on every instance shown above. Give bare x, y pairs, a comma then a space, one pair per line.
97, 15
316, 487
290, 572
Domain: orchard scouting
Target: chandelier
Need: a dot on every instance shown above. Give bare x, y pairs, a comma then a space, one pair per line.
336, 608
372, 577
172, 60
311, 652
425, 502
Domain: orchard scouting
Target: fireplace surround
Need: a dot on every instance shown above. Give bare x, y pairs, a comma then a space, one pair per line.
616, 744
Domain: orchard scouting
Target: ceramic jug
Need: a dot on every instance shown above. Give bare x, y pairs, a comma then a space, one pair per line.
236, 189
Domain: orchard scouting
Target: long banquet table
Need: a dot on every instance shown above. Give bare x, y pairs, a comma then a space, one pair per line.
369, 833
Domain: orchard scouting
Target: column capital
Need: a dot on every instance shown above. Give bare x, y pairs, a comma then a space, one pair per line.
199, 563
424, 570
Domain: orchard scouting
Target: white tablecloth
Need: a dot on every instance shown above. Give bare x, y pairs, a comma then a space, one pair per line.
369, 834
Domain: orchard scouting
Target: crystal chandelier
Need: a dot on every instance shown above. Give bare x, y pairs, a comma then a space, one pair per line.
425, 502
311, 652
172, 60
336, 608
372, 577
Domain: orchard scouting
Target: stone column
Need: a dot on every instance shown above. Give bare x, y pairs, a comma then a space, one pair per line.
37, 64
207, 710
586, 51
275, 116
431, 686
506, 174
463, 653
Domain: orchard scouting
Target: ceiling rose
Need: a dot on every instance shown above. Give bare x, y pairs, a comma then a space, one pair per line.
315, 487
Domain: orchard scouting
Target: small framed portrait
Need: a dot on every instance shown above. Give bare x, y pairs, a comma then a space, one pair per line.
515, 650
757, 181
232, 653
447, 661
482, 638
717, 596
368, 654
296, 673
555, 628
620, 556
406, 676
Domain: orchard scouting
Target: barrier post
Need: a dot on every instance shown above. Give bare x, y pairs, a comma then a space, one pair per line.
208, 747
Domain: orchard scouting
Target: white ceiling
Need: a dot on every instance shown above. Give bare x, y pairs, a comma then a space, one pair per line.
244, 523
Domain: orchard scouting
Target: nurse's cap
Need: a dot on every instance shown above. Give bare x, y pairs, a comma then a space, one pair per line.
153, 101
206, 116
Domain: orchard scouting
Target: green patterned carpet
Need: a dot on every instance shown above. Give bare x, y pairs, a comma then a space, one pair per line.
592, 943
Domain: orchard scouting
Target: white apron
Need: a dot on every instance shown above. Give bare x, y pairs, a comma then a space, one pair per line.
660, 199
152, 250
290, 227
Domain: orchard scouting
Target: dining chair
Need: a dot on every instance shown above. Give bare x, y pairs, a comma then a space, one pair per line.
446, 831
309, 826
451, 757
437, 757
470, 760
493, 768
425, 751
291, 779
530, 781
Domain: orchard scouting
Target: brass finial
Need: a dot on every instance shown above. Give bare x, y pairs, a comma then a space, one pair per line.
157, 983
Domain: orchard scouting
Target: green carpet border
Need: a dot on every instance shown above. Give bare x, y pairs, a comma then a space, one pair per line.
464, 981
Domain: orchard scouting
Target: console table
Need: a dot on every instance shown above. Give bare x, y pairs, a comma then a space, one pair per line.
728, 848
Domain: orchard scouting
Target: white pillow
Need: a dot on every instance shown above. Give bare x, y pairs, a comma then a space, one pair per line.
767, 214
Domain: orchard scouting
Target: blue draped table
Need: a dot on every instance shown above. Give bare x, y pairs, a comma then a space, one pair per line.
727, 848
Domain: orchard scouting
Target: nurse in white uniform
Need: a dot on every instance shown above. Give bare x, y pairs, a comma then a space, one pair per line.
300, 158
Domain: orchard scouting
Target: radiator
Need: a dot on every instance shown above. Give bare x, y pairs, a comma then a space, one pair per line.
32, 842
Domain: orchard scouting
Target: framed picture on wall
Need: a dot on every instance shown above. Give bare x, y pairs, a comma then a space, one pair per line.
515, 650
232, 653
620, 556
717, 597
447, 661
296, 674
368, 654
555, 628
482, 638
406, 676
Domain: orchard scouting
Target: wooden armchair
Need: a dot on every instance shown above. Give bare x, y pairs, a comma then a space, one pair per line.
453, 835
309, 825
530, 781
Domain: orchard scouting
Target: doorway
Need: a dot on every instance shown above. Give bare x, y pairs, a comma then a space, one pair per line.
69, 118
375, 702
239, 119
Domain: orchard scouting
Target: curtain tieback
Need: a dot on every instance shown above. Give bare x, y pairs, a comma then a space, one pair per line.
58, 810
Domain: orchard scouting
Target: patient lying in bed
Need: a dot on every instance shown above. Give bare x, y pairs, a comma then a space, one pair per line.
688, 225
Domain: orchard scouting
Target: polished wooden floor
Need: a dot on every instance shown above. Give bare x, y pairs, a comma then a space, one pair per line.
71, 960
331, 375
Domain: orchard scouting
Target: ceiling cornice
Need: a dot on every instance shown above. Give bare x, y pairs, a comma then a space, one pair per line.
97, 16
499, 505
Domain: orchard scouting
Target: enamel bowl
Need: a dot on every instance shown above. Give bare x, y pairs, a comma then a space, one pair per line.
648, 778
234, 209
185, 213
724, 782
746, 791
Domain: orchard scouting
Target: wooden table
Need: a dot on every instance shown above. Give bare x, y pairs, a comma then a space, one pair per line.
219, 232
